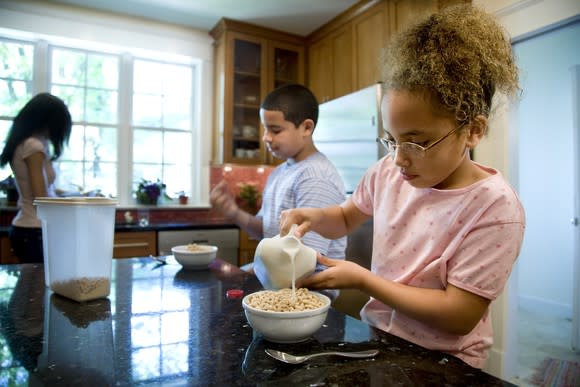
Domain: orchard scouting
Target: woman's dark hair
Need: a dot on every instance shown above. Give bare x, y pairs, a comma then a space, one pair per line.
43, 114
295, 101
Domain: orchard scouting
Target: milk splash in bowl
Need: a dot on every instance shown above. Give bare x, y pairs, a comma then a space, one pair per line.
281, 261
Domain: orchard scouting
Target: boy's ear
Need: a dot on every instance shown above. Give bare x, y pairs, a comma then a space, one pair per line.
308, 125
477, 129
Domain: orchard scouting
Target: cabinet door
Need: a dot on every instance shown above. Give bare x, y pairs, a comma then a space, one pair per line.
247, 86
135, 244
406, 12
342, 56
371, 34
320, 69
286, 64
6, 254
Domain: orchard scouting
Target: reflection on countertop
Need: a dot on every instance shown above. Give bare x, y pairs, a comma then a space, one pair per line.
163, 325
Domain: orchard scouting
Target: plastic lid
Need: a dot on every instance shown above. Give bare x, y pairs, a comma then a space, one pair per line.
75, 200
234, 293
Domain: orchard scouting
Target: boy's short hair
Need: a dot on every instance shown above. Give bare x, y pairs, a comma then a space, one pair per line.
295, 101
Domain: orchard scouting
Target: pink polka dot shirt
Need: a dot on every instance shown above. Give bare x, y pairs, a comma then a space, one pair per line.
424, 237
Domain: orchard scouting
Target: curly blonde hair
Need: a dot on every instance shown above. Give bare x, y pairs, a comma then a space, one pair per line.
460, 56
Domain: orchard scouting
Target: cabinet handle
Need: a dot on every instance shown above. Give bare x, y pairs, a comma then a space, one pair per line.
135, 244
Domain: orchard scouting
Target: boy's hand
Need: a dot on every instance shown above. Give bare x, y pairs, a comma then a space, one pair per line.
221, 199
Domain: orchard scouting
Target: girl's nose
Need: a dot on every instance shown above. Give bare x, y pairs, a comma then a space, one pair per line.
401, 160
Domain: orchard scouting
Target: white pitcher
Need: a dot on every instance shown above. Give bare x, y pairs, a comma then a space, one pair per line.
278, 260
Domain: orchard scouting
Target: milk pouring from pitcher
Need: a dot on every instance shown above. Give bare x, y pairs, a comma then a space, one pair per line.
279, 261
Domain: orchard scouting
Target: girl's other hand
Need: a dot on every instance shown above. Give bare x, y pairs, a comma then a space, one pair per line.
340, 274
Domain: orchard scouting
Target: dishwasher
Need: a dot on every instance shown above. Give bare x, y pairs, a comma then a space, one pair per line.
226, 239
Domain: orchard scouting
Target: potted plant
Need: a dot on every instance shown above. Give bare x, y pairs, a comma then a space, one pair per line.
249, 197
148, 192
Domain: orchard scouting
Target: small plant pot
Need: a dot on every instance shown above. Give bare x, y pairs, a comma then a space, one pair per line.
183, 199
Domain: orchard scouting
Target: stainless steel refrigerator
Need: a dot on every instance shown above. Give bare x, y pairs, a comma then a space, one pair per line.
346, 133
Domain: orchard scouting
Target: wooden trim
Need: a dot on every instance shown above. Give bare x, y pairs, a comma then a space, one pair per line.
345, 17
226, 24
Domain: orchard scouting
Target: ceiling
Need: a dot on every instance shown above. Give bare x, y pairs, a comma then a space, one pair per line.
299, 17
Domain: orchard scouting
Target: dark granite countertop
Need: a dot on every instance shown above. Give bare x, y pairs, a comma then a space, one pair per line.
162, 325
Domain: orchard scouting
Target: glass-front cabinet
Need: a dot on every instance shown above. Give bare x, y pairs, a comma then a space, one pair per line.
248, 66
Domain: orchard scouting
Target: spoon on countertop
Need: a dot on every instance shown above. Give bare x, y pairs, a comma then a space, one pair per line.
292, 359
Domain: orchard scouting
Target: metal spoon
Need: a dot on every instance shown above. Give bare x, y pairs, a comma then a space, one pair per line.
292, 359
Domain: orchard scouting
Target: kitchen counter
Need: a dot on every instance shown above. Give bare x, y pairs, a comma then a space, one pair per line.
164, 325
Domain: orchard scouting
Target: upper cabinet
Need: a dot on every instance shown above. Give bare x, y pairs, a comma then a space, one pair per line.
344, 55
250, 62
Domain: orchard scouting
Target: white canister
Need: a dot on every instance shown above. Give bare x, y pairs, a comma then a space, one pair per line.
77, 236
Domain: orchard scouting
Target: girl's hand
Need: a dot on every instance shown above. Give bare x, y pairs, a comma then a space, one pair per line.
297, 216
340, 274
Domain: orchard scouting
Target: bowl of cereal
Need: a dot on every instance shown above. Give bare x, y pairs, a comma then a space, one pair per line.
194, 256
283, 319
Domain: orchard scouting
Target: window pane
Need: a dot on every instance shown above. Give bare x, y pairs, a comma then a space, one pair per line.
177, 148
68, 67
4, 128
75, 149
147, 110
100, 144
101, 177
13, 96
177, 114
177, 178
177, 81
73, 97
17, 60
102, 106
147, 146
103, 71
68, 177
147, 77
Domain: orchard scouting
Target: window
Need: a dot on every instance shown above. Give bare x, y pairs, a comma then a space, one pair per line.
88, 83
133, 116
16, 69
162, 120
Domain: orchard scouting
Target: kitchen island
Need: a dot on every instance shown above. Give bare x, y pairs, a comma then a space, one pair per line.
163, 325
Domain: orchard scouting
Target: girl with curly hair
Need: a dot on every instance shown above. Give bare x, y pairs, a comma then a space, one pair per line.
447, 230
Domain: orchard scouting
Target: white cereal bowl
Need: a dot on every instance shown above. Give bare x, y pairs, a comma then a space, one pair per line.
286, 327
198, 259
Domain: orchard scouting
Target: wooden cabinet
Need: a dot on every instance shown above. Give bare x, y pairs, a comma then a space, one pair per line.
247, 249
250, 61
344, 55
6, 254
134, 244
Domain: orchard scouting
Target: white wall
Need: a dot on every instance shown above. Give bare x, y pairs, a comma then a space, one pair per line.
500, 150
110, 32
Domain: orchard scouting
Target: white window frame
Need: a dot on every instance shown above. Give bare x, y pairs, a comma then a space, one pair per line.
44, 22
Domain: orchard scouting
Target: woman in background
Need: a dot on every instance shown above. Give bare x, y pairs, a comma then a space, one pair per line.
37, 137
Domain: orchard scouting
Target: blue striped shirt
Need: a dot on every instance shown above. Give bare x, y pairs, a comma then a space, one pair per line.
313, 182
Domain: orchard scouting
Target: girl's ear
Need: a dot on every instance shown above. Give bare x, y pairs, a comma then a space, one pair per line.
477, 129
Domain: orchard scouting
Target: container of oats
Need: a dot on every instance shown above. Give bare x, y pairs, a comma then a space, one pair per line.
77, 237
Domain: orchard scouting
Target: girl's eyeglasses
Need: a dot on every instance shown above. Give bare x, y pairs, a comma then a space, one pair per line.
410, 148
